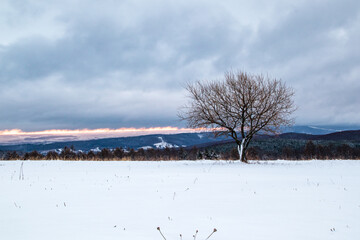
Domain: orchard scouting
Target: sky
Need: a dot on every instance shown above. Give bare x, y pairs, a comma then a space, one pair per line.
117, 64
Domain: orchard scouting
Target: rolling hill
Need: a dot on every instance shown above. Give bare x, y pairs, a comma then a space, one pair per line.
161, 141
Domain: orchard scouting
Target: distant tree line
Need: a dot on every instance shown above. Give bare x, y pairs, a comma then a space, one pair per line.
69, 153
311, 150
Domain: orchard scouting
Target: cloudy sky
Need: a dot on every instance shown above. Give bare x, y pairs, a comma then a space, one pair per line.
113, 64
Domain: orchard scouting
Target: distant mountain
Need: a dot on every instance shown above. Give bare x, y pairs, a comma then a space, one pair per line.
147, 141
319, 130
353, 135
160, 141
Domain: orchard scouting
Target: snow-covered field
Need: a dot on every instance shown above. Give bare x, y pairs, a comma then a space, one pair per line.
129, 200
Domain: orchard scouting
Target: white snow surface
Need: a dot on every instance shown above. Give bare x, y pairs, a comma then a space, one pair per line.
162, 144
129, 200
146, 147
96, 150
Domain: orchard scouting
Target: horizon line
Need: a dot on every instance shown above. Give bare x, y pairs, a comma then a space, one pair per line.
124, 130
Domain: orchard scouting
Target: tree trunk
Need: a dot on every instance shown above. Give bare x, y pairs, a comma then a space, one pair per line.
242, 151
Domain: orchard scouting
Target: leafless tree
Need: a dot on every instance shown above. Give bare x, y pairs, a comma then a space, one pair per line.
239, 106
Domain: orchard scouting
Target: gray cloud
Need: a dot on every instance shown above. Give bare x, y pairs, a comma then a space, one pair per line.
109, 64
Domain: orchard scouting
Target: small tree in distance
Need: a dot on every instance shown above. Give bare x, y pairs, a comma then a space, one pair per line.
239, 106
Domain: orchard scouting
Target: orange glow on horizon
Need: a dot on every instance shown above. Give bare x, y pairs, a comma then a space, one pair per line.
105, 131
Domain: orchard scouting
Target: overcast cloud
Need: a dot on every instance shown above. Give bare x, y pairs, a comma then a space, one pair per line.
96, 64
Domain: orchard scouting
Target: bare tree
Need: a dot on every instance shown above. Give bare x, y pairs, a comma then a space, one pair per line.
239, 106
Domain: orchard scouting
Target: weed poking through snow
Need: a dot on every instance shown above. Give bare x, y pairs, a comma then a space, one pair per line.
215, 230
194, 236
21, 172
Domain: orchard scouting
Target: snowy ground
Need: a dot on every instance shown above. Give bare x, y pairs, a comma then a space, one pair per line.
129, 200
